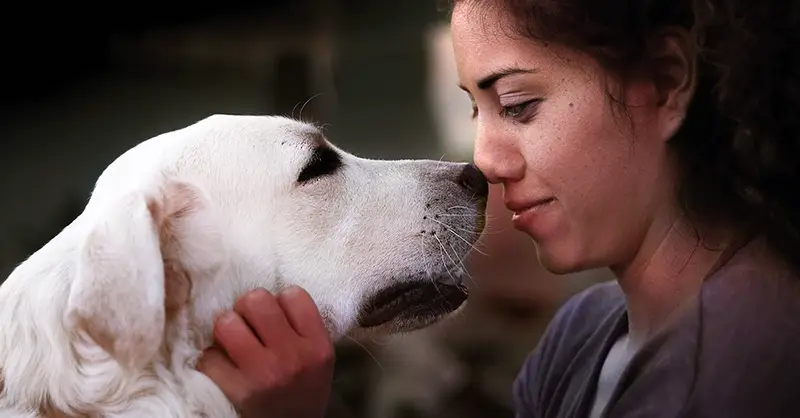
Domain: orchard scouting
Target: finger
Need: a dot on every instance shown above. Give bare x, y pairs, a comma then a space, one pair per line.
223, 372
237, 339
302, 313
265, 316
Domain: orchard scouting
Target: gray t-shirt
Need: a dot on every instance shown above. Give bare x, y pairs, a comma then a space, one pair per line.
735, 353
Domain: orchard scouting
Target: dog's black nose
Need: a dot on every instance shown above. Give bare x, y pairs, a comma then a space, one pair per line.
473, 180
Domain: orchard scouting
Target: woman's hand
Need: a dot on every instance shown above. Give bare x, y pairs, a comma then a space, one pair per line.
275, 358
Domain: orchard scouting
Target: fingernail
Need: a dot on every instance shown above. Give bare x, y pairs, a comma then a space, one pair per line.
259, 290
293, 289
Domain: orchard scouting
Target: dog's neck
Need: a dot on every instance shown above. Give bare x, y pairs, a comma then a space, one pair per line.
213, 296
244, 272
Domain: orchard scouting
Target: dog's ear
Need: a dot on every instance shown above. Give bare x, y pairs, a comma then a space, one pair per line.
138, 263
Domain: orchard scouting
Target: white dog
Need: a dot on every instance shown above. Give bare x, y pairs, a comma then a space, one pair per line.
108, 318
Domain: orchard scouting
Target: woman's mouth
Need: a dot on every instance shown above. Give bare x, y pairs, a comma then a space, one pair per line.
526, 215
537, 206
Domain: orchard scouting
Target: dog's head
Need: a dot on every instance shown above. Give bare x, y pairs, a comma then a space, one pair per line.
194, 218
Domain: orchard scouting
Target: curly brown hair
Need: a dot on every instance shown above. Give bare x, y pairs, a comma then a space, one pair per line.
739, 147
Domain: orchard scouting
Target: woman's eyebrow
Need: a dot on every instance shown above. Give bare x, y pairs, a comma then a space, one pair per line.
489, 80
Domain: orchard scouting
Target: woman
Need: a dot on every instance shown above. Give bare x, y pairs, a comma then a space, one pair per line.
658, 138
620, 143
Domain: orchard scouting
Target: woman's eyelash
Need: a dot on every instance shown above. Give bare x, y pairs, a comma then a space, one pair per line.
516, 111
520, 110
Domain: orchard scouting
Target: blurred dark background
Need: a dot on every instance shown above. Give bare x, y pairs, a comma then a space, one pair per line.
84, 83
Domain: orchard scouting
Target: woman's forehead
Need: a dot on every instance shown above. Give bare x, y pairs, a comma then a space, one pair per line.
482, 51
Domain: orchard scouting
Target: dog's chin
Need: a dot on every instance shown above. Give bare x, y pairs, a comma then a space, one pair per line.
409, 306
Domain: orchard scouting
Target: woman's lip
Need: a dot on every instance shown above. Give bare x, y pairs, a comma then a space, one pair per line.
538, 204
524, 219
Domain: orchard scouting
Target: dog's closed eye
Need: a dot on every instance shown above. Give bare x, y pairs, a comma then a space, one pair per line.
324, 161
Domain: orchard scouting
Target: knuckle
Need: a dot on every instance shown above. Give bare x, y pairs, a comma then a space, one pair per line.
293, 367
239, 398
221, 325
219, 330
254, 299
282, 381
209, 359
290, 366
319, 357
295, 292
326, 354
275, 380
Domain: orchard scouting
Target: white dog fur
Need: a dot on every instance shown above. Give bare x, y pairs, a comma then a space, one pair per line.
108, 318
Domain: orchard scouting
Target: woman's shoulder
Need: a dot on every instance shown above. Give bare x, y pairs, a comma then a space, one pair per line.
754, 289
590, 314
572, 341
748, 339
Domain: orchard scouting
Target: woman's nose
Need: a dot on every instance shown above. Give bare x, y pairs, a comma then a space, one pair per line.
498, 157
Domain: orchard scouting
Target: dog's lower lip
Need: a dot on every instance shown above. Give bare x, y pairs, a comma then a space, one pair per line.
407, 298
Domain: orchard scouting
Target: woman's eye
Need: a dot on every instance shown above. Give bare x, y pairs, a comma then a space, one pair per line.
514, 111
520, 110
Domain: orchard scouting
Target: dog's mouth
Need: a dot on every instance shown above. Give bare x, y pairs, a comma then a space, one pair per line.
412, 305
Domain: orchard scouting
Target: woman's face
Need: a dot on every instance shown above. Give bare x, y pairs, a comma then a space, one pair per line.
585, 181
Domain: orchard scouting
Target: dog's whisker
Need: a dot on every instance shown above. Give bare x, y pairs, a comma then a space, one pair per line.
468, 231
479, 246
462, 207
467, 273
422, 251
367, 351
452, 231
300, 115
428, 264
444, 251
493, 231
441, 250
444, 263
463, 261
427, 269
380, 343
464, 214
464, 269
485, 232
468, 215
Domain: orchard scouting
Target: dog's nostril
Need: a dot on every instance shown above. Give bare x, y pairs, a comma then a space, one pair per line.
473, 180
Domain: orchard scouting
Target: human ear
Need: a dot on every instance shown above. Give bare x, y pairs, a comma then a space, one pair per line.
673, 55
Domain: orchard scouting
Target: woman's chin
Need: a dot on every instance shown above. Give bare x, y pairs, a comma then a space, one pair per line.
559, 259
